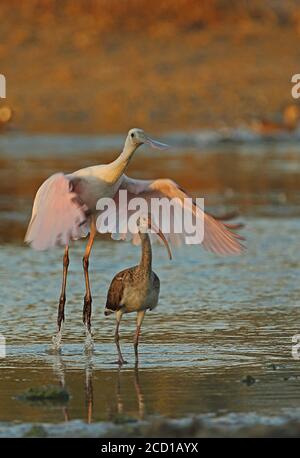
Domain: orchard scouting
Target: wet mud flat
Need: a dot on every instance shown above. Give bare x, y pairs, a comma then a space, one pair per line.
216, 355
159, 428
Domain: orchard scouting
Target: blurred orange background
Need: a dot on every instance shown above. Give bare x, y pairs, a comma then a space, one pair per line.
107, 65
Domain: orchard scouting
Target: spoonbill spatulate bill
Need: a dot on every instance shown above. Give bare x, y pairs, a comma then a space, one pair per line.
64, 210
135, 289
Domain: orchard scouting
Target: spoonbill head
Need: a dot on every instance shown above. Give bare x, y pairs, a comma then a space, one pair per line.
137, 137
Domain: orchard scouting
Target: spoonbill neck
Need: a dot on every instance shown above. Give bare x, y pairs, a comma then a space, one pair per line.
116, 168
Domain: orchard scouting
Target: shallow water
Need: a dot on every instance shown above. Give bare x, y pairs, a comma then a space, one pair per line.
218, 320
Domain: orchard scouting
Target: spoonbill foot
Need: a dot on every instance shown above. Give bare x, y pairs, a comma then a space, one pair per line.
120, 362
56, 340
89, 342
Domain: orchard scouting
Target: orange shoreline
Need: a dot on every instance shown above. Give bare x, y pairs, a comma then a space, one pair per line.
72, 74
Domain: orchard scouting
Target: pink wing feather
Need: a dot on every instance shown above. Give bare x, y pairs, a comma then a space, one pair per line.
218, 237
58, 216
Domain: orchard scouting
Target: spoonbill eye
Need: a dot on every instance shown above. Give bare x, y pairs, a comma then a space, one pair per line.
132, 135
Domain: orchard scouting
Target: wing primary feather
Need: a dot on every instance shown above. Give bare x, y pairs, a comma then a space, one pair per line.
219, 237
58, 214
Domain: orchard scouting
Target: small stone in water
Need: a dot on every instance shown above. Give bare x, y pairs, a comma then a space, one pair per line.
45, 393
249, 380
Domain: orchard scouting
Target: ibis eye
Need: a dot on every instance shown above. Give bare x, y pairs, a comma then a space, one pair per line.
132, 135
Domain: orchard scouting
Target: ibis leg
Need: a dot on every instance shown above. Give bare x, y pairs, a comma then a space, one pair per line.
117, 339
140, 317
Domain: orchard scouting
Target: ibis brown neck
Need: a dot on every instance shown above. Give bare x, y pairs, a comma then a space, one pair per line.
146, 258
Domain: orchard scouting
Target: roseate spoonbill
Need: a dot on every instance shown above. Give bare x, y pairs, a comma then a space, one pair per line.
64, 209
135, 289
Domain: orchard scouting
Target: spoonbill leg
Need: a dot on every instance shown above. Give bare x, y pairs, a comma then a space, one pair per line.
62, 300
87, 308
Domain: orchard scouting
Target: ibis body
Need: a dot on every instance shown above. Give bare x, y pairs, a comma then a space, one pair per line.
135, 289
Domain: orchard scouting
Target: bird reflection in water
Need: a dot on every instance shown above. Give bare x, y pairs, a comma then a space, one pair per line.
138, 392
89, 393
60, 368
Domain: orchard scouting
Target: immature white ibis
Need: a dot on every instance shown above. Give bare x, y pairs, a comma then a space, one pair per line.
64, 209
135, 289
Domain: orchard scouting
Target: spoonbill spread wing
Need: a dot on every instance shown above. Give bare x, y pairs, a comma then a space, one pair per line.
218, 237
